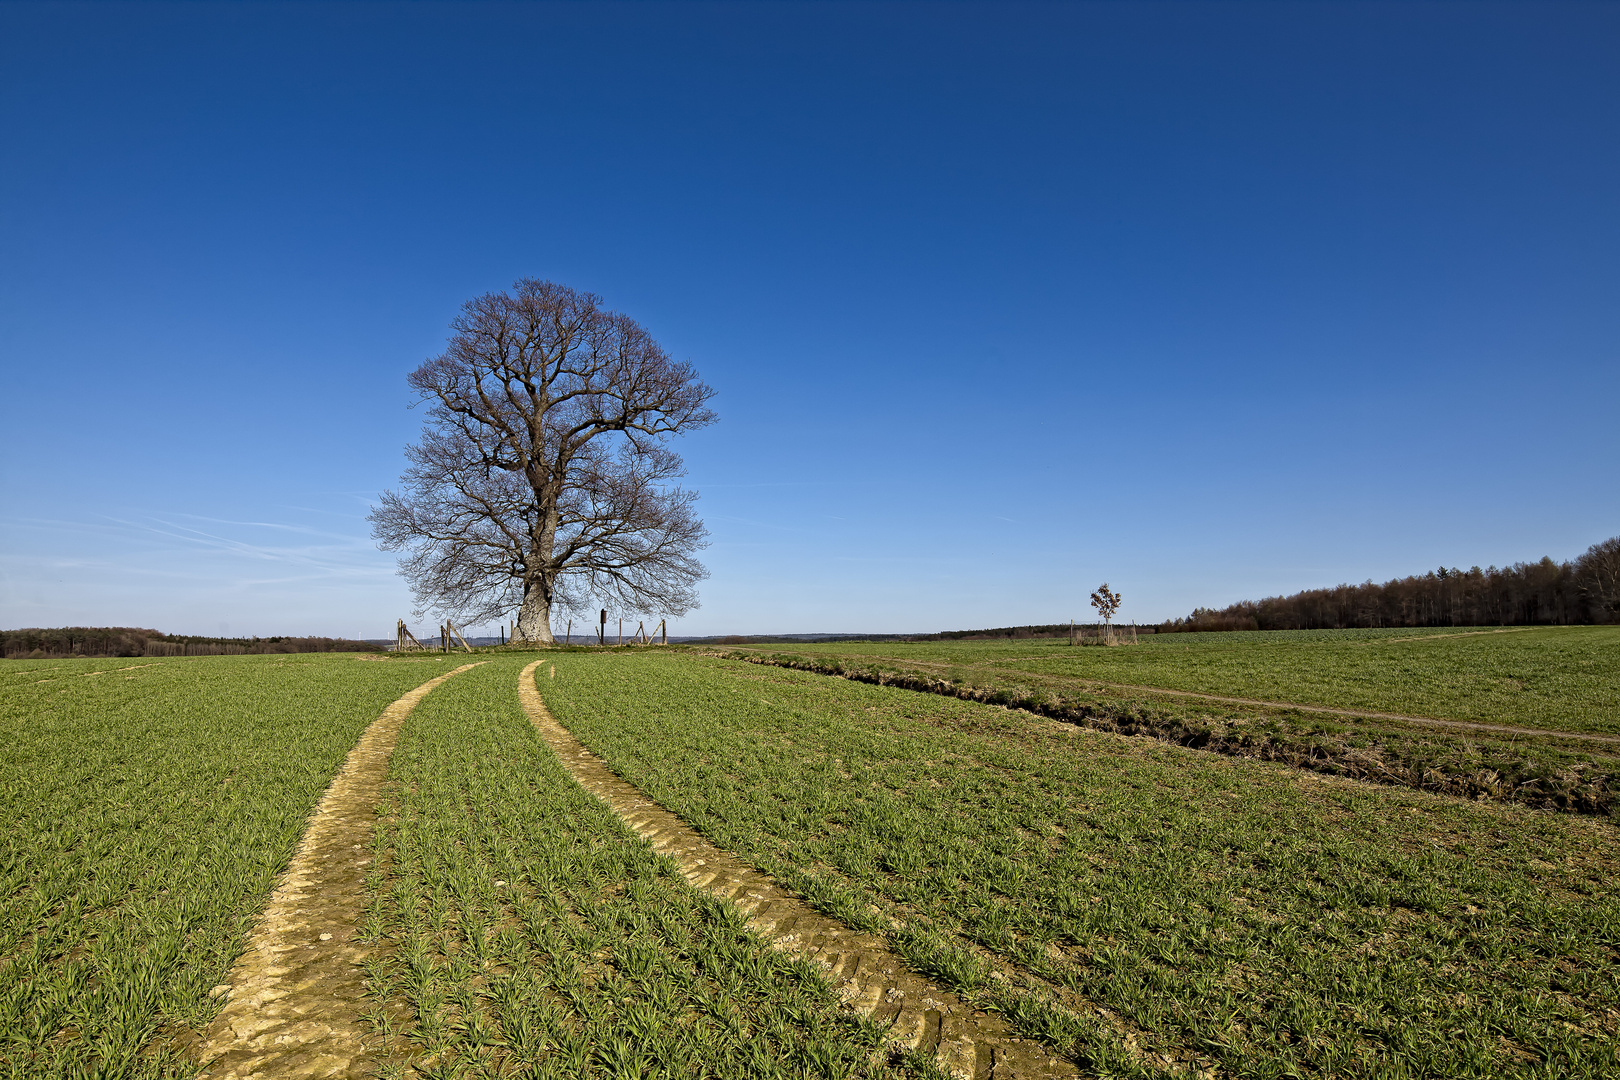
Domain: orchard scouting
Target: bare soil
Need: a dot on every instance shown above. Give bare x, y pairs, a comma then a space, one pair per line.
294, 997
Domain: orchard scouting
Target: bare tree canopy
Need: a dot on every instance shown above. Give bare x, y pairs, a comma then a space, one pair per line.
1598, 572
1106, 602
543, 478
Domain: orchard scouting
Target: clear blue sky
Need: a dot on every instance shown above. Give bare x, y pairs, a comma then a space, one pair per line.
1209, 301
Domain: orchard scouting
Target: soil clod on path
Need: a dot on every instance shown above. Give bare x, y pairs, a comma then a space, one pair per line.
294, 996
864, 971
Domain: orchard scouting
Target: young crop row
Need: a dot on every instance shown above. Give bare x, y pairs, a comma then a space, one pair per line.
1562, 678
1546, 774
1145, 909
521, 929
148, 806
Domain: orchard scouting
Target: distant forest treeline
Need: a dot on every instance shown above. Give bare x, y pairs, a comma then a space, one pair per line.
35, 644
1545, 593
1052, 630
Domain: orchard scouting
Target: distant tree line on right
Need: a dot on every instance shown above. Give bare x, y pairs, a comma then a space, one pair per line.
1545, 593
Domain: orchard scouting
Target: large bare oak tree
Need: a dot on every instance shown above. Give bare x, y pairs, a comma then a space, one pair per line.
543, 478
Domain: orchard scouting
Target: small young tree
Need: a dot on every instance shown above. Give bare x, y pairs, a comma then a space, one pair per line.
1106, 602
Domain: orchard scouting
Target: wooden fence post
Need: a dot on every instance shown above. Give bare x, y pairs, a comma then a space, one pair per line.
403, 634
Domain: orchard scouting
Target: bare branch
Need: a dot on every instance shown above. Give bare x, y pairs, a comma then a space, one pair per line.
542, 477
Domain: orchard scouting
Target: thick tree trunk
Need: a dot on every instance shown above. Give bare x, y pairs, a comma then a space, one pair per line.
534, 617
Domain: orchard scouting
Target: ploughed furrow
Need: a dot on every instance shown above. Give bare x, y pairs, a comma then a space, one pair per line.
866, 974
295, 994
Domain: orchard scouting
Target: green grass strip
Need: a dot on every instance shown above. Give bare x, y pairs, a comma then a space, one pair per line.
1564, 677
522, 929
1544, 772
1148, 909
147, 810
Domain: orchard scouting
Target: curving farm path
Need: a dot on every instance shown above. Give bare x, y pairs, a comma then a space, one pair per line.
865, 973
293, 1000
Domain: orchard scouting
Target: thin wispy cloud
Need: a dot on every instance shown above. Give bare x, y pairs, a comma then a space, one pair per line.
754, 524
332, 553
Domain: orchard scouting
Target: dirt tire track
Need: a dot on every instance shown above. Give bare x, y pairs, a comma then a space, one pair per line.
295, 994
1428, 721
865, 973
1082, 681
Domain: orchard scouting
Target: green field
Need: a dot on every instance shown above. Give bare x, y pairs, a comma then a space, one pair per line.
1145, 908
527, 931
1564, 678
148, 806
